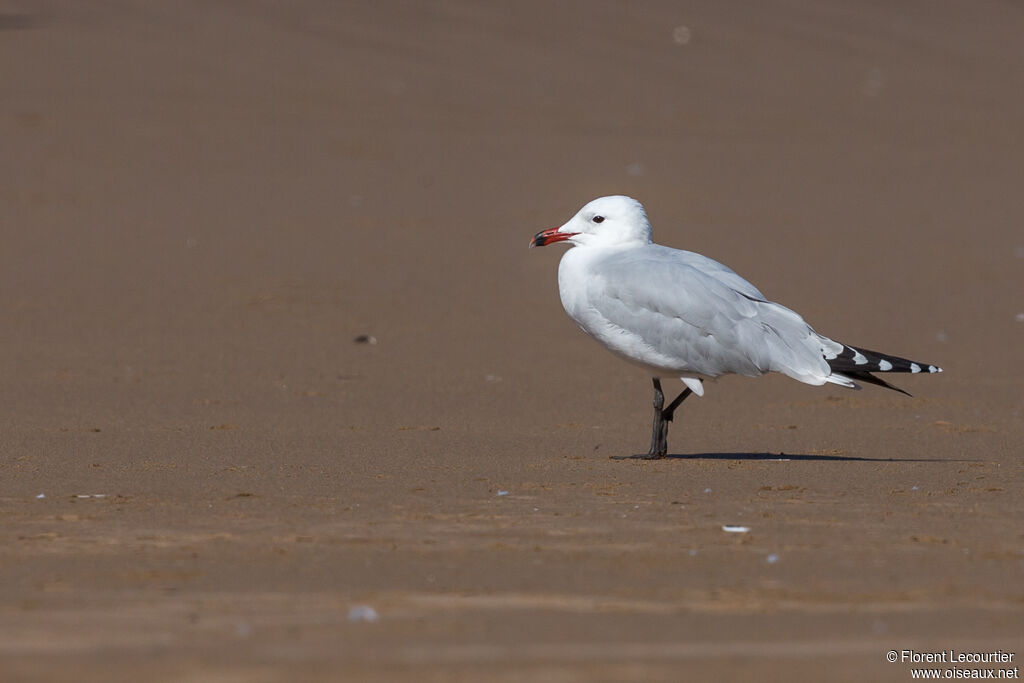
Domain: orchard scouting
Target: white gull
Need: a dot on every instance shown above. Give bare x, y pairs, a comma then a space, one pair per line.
679, 314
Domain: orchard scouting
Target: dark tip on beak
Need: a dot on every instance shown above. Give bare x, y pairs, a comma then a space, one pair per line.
549, 236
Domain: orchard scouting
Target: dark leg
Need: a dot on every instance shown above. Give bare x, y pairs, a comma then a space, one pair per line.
670, 411
659, 430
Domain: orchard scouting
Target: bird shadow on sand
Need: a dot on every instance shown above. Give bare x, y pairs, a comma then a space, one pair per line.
811, 457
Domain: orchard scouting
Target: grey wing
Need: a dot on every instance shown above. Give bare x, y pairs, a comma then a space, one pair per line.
719, 271
689, 312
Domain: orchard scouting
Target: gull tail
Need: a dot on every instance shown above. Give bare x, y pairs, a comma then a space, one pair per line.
857, 364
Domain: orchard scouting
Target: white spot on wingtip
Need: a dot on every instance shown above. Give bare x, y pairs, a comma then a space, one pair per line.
884, 365
932, 368
914, 367
859, 358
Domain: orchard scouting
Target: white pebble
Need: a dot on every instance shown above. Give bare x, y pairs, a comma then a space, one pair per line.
772, 559
502, 493
363, 613
735, 529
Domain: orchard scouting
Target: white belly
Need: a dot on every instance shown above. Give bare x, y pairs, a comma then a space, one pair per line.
630, 345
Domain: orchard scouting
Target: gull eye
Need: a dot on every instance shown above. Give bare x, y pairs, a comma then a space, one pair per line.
598, 219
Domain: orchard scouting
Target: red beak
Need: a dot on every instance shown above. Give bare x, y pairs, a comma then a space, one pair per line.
550, 236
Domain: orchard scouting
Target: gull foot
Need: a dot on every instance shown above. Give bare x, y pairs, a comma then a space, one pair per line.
641, 456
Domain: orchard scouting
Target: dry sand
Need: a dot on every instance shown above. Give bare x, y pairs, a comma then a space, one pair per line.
205, 203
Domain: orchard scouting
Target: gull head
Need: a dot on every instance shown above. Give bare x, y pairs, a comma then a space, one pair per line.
606, 221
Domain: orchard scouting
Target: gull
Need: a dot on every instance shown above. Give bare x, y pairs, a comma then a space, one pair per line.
680, 314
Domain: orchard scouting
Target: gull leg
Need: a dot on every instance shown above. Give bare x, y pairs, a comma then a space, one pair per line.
659, 430
670, 411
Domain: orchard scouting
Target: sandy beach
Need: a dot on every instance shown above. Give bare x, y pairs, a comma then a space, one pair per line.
287, 398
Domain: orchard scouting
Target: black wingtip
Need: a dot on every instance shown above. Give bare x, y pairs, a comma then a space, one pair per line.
868, 378
856, 359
